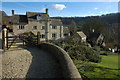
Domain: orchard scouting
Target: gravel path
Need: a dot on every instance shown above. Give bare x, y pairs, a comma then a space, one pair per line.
29, 63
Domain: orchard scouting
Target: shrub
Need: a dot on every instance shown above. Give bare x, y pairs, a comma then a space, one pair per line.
83, 53
88, 67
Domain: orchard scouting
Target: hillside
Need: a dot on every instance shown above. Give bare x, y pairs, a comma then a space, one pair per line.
105, 24
109, 18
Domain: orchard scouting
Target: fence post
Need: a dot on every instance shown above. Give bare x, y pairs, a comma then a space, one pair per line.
4, 33
7, 39
38, 38
3, 40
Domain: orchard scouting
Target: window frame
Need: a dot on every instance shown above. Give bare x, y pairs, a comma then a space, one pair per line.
43, 28
21, 27
54, 35
34, 27
54, 27
42, 36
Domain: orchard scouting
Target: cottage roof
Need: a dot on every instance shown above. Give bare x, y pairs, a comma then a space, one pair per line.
94, 35
33, 15
65, 29
19, 19
5, 20
56, 22
80, 33
3, 13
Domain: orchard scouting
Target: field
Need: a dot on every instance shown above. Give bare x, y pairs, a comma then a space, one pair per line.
107, 68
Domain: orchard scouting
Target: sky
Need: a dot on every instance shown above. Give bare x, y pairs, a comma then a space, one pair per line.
63, 9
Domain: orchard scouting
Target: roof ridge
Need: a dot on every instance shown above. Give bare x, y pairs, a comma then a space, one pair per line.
35, 12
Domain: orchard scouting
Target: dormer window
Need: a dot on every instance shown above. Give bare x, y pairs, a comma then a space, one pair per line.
54, 27
21, 27
39, 17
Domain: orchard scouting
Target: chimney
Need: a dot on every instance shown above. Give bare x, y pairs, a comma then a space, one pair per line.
47, 11
12, 12
93, 30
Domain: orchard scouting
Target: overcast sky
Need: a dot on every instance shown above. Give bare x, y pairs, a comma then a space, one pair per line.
66, 9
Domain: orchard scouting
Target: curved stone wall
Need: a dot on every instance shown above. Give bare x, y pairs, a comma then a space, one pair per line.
69, 70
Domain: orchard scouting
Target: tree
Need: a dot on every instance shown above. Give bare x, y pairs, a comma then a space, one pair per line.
72, 28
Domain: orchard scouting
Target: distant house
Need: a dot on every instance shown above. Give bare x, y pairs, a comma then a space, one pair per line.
50, 29
96, 39
66, 32
111, 47
79, 37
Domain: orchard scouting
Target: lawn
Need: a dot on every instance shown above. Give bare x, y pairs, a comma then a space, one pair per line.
107, 68
110, 61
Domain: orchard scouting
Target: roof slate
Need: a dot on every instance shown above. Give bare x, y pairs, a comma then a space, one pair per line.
33, 15
23, 19
56, 22
19, 19
2, 13
80, 33
94, 35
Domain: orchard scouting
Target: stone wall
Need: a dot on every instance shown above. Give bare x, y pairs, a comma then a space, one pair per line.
69, 70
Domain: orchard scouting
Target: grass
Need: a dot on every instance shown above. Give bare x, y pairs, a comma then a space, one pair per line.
110, 61
107, 68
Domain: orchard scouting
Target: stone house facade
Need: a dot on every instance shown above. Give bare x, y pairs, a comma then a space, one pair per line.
50, 29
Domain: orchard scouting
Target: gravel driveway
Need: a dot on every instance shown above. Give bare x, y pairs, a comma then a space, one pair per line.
29, 63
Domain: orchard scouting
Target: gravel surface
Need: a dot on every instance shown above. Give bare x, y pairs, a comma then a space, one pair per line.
29, 63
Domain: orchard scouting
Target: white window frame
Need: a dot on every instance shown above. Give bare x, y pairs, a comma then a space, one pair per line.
21, 27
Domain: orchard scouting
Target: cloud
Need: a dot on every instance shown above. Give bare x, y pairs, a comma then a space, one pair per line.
58, 6
95, 8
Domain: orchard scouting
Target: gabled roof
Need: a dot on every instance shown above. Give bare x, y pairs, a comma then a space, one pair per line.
56, 22
33, 15
2, 13
5, 19
19, 19
80, 33
94, 35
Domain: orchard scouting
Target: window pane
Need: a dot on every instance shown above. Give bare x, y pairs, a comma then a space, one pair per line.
34, 27
42, 36
43, 27
54, 35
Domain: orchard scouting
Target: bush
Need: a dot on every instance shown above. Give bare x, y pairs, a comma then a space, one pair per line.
83, 53
104, 54
88, 67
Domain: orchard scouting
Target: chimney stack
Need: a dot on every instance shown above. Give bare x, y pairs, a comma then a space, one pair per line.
12, 12
47, 11
93, 30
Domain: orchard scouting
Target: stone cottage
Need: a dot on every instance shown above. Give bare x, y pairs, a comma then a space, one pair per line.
80, 37
96, 38
50, 29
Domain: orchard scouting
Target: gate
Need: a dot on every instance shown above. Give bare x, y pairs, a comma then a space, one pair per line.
9, 41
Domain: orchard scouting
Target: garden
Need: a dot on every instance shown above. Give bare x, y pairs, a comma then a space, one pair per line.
92, 62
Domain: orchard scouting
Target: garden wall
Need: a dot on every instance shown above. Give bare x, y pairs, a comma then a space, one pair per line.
69, 70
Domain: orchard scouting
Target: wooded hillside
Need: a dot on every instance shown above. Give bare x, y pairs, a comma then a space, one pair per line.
107, 24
